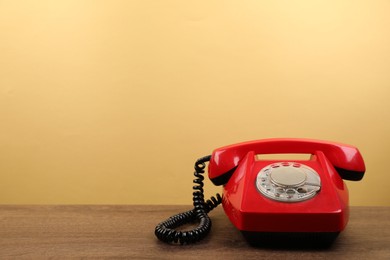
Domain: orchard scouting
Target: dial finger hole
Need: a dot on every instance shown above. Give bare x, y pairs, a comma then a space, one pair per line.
290, 192
302, 190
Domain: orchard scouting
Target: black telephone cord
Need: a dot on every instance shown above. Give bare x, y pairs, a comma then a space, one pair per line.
166, 230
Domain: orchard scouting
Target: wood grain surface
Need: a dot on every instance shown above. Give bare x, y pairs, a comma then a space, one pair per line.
124, 231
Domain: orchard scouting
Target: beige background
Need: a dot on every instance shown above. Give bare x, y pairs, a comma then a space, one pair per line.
112, 101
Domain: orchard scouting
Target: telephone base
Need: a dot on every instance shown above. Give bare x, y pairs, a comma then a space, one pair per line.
291, 240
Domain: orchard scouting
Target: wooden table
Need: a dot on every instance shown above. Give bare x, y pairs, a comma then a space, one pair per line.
127, 231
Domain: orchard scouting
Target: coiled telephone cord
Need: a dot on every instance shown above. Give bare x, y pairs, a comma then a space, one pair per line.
166, 230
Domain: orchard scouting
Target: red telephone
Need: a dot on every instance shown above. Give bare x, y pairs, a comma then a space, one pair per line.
272, 199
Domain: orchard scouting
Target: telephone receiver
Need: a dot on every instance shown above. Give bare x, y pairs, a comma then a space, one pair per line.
346, 159
273, 202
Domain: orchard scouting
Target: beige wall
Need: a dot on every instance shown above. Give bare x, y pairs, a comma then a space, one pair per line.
112, 101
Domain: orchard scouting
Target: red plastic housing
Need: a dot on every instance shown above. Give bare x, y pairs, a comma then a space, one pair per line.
249, 210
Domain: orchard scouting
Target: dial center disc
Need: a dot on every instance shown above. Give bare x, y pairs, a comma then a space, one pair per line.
287, 176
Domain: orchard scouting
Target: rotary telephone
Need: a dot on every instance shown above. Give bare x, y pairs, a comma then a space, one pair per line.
273, 200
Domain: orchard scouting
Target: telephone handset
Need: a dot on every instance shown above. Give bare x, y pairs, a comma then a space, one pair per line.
268, 199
